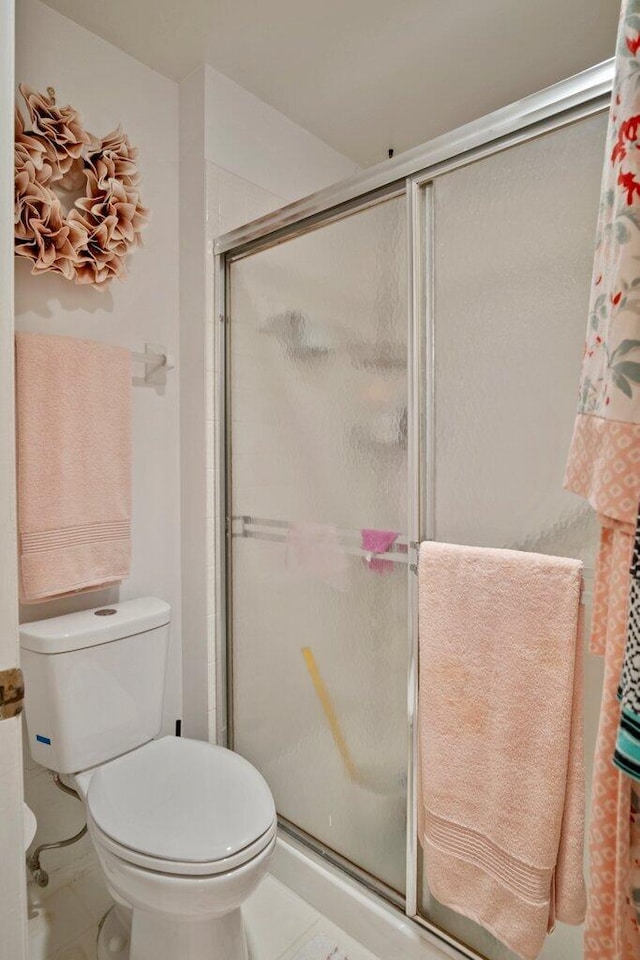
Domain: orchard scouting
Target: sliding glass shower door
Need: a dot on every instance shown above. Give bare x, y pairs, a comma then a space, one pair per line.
373, 399
511, 267
319, 560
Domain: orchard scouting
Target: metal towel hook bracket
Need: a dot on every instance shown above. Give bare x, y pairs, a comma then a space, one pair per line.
157, 362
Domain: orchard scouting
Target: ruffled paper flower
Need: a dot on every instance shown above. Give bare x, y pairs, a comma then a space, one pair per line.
113, 198
34, 150
42, 234
91, 243
97, 262
115, 160
60, 126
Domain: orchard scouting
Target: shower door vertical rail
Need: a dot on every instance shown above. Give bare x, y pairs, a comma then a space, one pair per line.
419, 475
223, 686
421, 479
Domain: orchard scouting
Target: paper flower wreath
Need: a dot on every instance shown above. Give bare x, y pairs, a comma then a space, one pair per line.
77, 205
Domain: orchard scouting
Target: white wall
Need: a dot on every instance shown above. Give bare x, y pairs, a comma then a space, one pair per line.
193, 279
239, 159
249, 138
109, 87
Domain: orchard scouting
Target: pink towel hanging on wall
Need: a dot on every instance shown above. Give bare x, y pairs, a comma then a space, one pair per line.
73, 406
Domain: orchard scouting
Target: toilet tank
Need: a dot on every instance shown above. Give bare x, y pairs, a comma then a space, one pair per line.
94, 682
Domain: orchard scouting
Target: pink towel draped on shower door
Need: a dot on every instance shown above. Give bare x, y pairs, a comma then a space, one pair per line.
501, 797
604, 468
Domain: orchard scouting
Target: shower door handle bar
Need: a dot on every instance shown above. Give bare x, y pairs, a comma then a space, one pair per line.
276, 531
402, 550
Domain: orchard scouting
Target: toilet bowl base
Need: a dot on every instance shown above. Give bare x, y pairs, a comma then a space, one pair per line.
152, 936
114, 934
178, 916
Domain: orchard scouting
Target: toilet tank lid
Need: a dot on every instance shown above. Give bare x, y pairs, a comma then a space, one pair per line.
88, 628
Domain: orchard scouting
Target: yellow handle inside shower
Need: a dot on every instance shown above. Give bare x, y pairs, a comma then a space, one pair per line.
330, 713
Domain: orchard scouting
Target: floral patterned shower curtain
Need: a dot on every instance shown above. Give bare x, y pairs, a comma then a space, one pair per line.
604, 467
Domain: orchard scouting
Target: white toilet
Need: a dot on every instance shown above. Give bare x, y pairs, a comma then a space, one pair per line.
183, 829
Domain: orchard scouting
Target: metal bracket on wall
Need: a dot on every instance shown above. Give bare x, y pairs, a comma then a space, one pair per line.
156, 362
11, 693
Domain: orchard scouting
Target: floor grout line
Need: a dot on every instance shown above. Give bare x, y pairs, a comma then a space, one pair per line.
298, 941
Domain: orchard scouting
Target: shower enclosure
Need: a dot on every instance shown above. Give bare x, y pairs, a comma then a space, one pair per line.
401, 355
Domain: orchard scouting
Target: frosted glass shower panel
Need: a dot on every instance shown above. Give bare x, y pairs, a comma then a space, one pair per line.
318, 410
514, 236
513, 254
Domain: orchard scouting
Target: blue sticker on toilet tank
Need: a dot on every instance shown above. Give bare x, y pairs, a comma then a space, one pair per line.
42, 739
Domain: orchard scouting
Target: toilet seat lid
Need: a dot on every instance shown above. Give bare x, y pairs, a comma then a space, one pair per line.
183, 800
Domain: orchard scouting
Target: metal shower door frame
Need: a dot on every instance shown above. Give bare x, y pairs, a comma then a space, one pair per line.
412, 174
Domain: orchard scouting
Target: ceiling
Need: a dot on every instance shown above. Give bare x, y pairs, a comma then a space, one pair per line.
365, 75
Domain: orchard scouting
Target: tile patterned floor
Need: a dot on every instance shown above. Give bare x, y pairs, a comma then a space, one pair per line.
280, 925
320, 948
